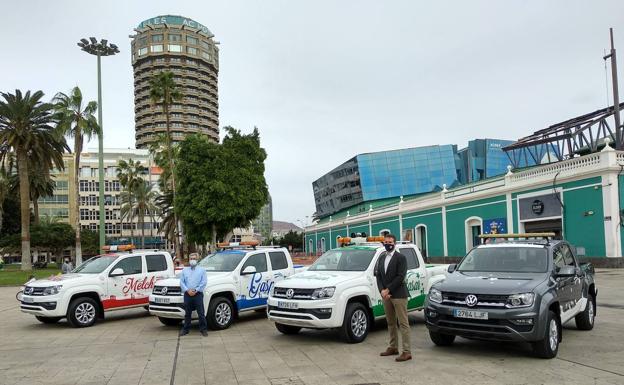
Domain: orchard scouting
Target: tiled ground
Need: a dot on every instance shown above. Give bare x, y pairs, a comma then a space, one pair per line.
131, 347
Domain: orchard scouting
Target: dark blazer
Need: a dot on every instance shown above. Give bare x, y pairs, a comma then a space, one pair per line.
394, 279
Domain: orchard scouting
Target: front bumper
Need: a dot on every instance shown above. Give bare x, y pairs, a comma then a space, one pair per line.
167, 306
498, 326
42, 305
315, 314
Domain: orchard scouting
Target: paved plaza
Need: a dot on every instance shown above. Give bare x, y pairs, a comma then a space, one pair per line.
131, 347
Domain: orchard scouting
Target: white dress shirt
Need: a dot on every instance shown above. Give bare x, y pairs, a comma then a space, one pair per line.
389, 255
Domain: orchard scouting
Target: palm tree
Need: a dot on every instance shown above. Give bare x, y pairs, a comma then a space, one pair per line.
164, 91
127, 210
77, 121
4, 191
143, 205
129, 175
26, 128
41, 185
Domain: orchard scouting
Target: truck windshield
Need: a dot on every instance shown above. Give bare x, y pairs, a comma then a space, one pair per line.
96, 264
344, 260
506, 260
222, 261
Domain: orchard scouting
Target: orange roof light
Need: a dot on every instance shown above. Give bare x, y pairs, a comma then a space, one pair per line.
379, 238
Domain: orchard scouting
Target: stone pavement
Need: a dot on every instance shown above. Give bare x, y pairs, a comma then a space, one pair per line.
131, 347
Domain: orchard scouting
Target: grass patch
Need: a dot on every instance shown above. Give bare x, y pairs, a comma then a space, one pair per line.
11, 275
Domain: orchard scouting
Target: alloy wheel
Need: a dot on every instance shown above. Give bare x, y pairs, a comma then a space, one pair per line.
223, 314
85, 313
358, 323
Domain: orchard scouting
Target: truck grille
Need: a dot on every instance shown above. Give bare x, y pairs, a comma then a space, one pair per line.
484, 300
170, 290
280, 292
29, 290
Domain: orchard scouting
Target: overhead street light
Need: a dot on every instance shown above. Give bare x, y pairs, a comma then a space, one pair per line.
99, 49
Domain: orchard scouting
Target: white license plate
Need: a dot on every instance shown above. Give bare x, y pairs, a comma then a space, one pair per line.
473, 314
161, 300
287, 305
28, 299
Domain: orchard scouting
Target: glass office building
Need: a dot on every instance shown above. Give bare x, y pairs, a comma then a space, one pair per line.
484, 158
386, 174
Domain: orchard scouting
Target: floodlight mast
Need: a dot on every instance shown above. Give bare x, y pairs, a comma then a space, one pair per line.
99, 49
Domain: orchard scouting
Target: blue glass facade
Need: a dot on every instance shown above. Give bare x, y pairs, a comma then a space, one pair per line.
406, 172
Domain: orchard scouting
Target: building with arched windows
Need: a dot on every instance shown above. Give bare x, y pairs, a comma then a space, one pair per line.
186, 48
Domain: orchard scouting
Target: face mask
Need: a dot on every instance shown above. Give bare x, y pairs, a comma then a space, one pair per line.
193, 262
66, 261
388, 247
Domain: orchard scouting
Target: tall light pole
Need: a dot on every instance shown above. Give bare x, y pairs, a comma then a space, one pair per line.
99, 49
619, 145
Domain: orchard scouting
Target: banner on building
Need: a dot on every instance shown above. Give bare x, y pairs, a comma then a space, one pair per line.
495, 226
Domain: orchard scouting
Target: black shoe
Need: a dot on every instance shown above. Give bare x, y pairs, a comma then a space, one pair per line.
183, 332
204, 333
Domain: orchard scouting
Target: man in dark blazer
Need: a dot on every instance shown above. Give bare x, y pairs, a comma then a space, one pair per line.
390, 272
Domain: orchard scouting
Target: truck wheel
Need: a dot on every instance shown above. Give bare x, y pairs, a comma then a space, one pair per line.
82, 312
48, 320
549, 345
220, 313
169, 321
287, 329
585, 320
441, 339
356, 323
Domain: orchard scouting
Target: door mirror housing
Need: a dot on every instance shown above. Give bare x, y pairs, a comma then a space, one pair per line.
566, 271
117, 272
249, 270
452, 267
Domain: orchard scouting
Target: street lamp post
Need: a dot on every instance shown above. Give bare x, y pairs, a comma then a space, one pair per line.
99, 49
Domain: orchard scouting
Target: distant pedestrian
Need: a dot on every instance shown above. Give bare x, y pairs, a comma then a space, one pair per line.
67, 266
390, 271
193, 282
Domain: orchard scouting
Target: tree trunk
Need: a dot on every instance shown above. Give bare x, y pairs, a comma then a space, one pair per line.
214, 237
77, 151
35, 211
24, 188
171, 168
142, 223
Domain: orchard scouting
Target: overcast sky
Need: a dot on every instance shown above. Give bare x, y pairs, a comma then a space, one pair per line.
325, 80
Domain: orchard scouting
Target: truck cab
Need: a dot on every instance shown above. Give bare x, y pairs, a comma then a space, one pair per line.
114, 281
515, 287
239, 279
340, 289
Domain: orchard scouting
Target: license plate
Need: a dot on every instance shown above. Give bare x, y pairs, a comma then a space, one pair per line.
287, 305
161, 300
28, 299
473, 314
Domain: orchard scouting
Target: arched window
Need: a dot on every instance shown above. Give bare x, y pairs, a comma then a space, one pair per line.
474, 228
310, 246
323, 245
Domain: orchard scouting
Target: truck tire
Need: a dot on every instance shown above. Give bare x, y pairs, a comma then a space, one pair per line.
287, 329
220, 313
549, 345
82, 312
441, 339
356, 323
585, 319
169, 321
48, 320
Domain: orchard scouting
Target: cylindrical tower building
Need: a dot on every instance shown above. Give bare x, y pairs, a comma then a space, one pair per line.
186, 48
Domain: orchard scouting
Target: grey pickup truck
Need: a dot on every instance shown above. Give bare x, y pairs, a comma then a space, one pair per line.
514, 287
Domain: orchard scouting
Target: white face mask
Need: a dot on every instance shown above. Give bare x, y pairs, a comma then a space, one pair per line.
193, 262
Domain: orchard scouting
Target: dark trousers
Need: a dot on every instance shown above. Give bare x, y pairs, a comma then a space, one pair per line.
195, 302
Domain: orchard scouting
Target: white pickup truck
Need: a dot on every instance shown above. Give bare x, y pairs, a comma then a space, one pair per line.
340, 290
238, 280
101, 284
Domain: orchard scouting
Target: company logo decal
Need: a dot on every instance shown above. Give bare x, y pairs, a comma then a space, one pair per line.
290, 293
259, 288
134, 285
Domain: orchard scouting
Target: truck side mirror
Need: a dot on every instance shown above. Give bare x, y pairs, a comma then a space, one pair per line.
117, 272
452, 267
566, 271
249, 270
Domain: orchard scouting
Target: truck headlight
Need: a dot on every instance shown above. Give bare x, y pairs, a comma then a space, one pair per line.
520, 300
52, 290
324, 292
272, 291
435, 295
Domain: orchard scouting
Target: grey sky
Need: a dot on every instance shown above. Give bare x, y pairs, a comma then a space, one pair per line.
325, 80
